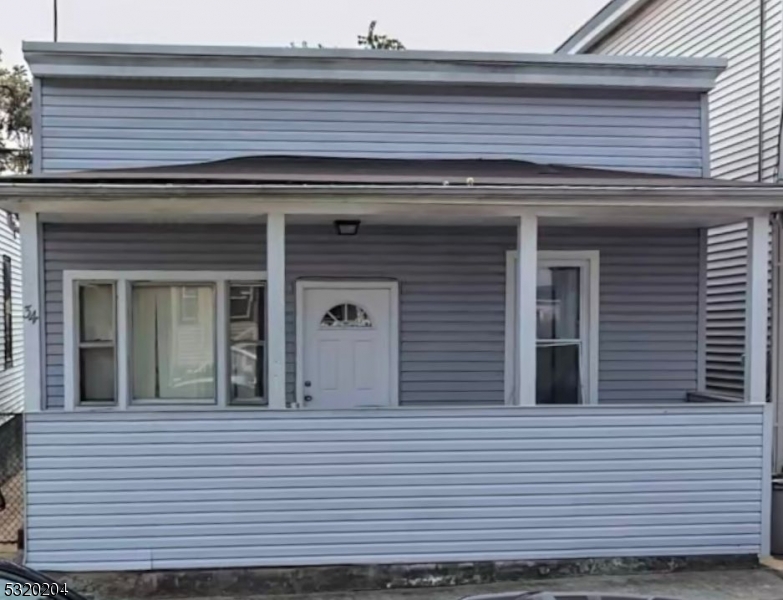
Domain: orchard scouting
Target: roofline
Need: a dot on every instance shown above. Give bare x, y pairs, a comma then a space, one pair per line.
600, 25
598, 194
107, 61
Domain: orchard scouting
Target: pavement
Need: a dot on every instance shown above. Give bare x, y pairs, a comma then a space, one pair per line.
746, 584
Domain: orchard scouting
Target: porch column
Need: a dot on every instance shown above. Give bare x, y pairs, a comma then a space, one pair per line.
756, 311
275, 274
32, 311
527, 274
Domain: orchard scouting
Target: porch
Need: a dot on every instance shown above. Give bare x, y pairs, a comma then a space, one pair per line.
458, 465
446, 450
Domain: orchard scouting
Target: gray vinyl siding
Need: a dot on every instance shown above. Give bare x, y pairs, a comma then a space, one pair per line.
91, 125
744, 135
176, 490
12, 378
452, 296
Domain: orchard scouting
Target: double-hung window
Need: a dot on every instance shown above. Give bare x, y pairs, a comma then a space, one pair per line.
171, 338
566, 328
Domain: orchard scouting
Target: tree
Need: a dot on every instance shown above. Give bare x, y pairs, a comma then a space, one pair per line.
16, 121
378, 41
371, 41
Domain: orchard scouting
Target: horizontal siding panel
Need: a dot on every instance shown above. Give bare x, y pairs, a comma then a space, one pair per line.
89, 125
452, 296
132, 490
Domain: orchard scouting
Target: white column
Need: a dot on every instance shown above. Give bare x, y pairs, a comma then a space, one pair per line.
275, 267
31, 307
756, 311
527, 274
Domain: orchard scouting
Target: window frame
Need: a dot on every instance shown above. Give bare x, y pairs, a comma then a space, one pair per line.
589, 320
79, 344
254, 401
123, 280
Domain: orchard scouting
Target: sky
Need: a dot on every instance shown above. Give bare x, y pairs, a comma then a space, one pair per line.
489, 25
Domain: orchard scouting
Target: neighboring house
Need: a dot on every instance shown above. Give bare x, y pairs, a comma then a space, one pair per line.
11, 360
745, 125
424, 331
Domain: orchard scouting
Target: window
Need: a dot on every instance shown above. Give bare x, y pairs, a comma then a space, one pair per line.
96, 347
8, 333
160, 337
566, 328
173, 353
346, 316
247, 319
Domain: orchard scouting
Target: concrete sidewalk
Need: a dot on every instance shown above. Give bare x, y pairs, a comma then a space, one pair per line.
747, 584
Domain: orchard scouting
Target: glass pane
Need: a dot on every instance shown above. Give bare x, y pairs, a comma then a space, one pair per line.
247, 313
247, 371
96, 315
558, 303
96, 374
345, 316
558, 380
173, 358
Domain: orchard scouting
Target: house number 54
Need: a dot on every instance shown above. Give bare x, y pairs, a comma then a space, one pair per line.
30, 314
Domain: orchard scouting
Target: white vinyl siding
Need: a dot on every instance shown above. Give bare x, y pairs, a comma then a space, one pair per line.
173, 490
88, 125
744, 136
12, 378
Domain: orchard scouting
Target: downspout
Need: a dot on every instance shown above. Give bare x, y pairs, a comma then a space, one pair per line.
776, 376
762, 61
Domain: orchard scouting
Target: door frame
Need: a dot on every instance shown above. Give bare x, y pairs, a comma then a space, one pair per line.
394, 328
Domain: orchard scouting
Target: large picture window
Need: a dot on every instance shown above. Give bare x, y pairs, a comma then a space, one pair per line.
566, 328
164, 338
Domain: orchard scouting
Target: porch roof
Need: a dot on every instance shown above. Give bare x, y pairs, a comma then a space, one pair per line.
328, 170
315, 185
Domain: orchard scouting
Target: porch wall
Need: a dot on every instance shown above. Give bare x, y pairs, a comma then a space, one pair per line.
452, 296
158, 490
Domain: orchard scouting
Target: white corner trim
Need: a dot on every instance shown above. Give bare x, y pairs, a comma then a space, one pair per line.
32, 308
706, 151
394, 325
590, 261
701, 341
767, 444
122, 281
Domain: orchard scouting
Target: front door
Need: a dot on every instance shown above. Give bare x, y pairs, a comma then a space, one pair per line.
349, 339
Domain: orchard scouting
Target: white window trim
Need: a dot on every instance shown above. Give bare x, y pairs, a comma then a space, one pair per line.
394, 324
589, 306
123, 280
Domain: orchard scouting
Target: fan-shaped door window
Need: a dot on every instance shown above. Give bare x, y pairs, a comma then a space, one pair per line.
346, 316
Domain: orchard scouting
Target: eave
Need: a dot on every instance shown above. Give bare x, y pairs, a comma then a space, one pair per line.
343, 66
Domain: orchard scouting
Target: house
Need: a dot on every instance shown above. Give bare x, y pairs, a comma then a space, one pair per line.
309, 307
745, 127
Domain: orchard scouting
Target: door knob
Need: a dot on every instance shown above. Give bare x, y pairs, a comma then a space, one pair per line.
308, 384
308, 398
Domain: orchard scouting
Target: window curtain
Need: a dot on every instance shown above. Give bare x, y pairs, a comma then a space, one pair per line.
173, 358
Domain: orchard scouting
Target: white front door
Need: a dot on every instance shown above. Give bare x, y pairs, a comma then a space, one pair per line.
349, 344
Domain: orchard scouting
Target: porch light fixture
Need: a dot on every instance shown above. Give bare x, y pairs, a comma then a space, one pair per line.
347, 227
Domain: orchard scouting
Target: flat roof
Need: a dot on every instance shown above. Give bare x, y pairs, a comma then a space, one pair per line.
143, 61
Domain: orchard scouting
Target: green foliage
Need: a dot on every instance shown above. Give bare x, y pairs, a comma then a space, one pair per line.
16, 121
379, 41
